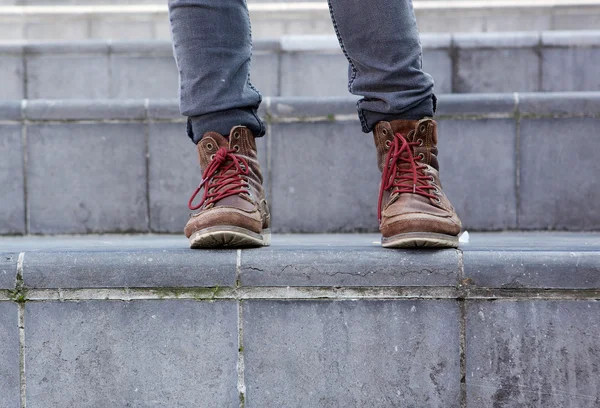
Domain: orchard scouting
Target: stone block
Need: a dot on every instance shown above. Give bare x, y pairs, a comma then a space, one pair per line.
102, 173
136, 354
348, 266
497, 63
143, 76
8, 270
11, 110
69, 110
533, 270
438, 64
339, 193
119, 27
55, 26
265, 73
11, 71
533, 353
130, 269
174, 173
12, 204
9, 356
351, 354
314, 74
568, 69
476, 105
52, 76
550, 197
478, 171
559, 103
303, 108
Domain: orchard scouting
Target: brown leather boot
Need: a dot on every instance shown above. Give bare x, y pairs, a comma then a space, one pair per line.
413, 209
233, 210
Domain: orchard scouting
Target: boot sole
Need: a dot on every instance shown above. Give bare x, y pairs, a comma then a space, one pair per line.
420, 240
229, 237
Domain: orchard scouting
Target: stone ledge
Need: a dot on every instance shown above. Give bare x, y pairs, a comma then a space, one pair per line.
529, 262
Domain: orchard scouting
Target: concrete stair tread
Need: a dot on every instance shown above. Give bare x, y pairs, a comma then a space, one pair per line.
489, 265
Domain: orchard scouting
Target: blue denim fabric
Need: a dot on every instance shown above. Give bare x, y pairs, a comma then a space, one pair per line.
212, 44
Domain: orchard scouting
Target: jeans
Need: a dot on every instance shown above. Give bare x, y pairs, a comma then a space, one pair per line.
212, 44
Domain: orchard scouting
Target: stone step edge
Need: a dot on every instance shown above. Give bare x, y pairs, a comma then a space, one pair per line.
315, 271
475, 106
314, 43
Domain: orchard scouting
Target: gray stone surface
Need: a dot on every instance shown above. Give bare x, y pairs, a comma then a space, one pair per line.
567, 69
485, 148
552, 152
8, 270
137, 354
477, 105
139, 268
9, 356
540, 270
174, 174
302, 108
143, 76
265, 73
48, 78
102, 174
340, 194
533, 353
61, 110
10, 110
12, 191
495, 69
351, 354
314, 74
559, 103
340, 265
438, 64
11, 71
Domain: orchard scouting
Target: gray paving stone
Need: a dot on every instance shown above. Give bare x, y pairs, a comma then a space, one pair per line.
174, 174
102, 173
265, 73
12, 204
486, 148
567, 69
314, 74
143, 76
62, 110
477, 105
9, 356
438, 64
533, 353
343, 266
351, 354
136, 354
164, 109
10, 110
130, 269
496, 63
340, 194
551, 150
11, 71
48, 76
559, 103
8, 270
533, 269
301, 108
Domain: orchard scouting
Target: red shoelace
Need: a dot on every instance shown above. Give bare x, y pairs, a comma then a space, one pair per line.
223, 181
396, 177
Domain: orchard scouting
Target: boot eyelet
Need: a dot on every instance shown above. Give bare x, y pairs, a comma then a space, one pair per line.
236, 148
384, 132
421, 156
437, 200
212, 157
209, 146
422, 129
388, 143
431, 178
236, 135
420, 142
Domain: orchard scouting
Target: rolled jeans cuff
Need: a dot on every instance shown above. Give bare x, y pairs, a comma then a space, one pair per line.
425, 108
223, 122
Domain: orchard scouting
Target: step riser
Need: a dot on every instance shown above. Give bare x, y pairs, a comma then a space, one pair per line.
86, 167
151, 22
297, 66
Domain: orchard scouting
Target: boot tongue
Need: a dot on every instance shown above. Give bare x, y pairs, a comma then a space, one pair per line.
404, 127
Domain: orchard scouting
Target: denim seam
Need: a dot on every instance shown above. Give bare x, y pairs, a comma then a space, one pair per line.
337, 33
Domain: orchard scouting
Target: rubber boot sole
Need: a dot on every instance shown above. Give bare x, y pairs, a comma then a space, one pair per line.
420, 240
229, 237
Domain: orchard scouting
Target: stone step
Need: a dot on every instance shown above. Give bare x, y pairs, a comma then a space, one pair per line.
509, 319
273, 19
302, 66
507, 161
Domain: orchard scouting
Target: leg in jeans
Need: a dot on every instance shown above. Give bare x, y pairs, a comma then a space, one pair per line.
381, 41
213, 47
